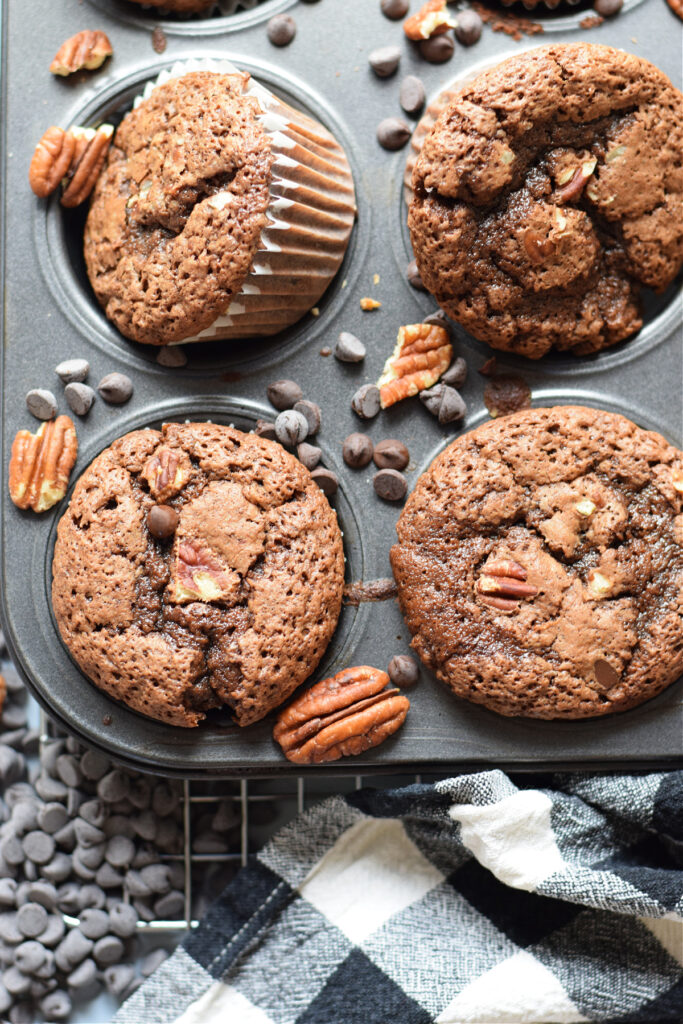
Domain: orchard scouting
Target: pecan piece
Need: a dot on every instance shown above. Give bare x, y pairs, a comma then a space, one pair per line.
198, 575
166, 471
87, 49
431, 20
345, 714
51, 160
575, 185
422, 353
503, 585
85, 170
40, 464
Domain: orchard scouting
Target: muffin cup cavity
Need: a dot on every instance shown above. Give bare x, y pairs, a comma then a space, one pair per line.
223, 16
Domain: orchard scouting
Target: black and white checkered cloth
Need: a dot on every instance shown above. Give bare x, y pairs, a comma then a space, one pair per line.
477, 899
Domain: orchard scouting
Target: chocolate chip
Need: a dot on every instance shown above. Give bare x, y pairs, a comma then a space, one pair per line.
384, 60
489, 368
393, 133
308, 455
365, 403
123, 919
281, 29
118, 977
412, 95
72, 950
30, 956
162, 521
403, 670
159, 41
83, 976
349, 348
456, 374
170, 906
284, 394
113, 787
439, 319
79, 398
32, 919
58, 869
391, 454
357, 450
607, 8
87, 834
172, 356
444, 402
94, 765
41, 403
606, 676
120, 851
73, 370
326, 480
115, 388
395, 9
156, 878
468, 29
390, 485
311, 413
108, 950
43, 893
437, 49
15, 981
68, 770
52, 817
413, 277
38, 847
291, 428
265, 429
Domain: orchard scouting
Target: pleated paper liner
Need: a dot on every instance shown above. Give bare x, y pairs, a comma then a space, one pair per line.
310, 217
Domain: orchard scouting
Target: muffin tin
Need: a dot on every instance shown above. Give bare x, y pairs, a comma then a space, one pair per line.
50, 314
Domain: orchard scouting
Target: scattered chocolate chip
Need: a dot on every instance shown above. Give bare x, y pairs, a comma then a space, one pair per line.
326, 480
311, 413
41, 403
608, 8
38, 847
291, 428
365, 403
172, 355
32, 919
79, 397
444, 402
265, 429
505, 393
349, 348
384, 60
357, 450
281, 29
413, 277
390, 485
403, 670
437, 49
412, 95
393, 133
115, 388
162, 521
395, 9
489, 368
456, 374
391, 454
284, 394
374, 590
308, 455
468, 29
73, 370
158, 39
441, 320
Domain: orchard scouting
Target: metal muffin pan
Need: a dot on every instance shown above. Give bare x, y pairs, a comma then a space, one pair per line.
50, 314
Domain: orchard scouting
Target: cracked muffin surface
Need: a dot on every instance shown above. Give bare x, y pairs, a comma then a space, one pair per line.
539, 564
177, 213
548, 194
236, 608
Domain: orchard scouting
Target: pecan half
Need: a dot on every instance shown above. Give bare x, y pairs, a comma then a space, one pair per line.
431, 20
166, 471
40, 464
345, 714
576, 183
198, 575
503, 585
51, 160
87, 49
422, 353
86, 167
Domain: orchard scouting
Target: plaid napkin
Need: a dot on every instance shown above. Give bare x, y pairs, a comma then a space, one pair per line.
480, 898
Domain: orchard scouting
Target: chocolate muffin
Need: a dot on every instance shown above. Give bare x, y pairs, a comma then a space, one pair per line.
540, 564
197, 567
547, 194
179, 6
230, 225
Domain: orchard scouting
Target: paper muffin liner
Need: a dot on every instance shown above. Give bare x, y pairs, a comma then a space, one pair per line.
310, 216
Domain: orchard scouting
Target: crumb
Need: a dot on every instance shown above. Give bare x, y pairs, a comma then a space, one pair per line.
375, 278
325, 351
368, 305
315, 311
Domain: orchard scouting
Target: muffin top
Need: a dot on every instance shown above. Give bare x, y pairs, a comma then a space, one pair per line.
540, 564
546, 195
177, 212
235, 607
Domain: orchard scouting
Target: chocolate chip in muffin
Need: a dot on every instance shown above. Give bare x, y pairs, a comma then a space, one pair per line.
162, 521
357, 450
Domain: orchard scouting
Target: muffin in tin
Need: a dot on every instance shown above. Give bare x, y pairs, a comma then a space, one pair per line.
178, 6
540, 564
197, 567
221, 212
547, 194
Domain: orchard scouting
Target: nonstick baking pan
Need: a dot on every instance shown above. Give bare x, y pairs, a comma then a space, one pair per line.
50, 314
